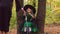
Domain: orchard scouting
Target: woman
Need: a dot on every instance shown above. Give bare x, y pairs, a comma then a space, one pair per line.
5, 15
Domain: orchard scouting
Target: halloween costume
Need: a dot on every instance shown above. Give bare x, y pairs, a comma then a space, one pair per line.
28, 24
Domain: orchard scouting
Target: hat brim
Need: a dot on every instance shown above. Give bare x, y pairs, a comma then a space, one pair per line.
31, 7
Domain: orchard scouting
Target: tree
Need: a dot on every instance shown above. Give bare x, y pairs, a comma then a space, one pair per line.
40, 17
19, 4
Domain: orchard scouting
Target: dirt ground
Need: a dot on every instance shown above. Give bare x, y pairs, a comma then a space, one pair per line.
13, 31
51, 29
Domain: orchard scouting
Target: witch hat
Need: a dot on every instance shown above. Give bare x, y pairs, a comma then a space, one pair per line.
31, 7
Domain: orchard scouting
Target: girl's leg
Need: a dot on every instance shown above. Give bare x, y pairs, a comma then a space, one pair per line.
1, 32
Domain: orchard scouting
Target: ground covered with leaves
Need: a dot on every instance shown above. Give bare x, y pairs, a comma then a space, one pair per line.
52, 29
49, 29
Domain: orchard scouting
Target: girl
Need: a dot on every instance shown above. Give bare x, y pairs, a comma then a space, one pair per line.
29, 11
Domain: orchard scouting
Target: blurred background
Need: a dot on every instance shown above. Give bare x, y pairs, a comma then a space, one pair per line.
52, 19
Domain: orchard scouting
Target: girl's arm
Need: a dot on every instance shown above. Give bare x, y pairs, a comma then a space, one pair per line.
24, 13
32, 15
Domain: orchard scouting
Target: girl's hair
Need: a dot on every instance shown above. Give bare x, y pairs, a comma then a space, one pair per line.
31, 7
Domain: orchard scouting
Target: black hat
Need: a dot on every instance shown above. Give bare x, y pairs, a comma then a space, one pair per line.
31, 7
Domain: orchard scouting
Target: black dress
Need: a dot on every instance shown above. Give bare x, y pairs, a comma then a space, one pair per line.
5, 14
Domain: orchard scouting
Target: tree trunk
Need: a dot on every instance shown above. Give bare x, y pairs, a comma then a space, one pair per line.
41, 16
19, 4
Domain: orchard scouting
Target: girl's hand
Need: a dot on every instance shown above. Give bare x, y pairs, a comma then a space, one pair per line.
23, 10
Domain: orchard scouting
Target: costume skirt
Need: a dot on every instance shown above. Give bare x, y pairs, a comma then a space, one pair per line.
5, 15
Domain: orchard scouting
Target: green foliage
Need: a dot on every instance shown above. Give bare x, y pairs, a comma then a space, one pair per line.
13, 20
52, 12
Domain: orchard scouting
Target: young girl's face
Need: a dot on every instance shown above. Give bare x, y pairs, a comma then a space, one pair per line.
29, 10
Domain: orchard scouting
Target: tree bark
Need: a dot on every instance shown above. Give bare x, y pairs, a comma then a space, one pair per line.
41, 16
19, 5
